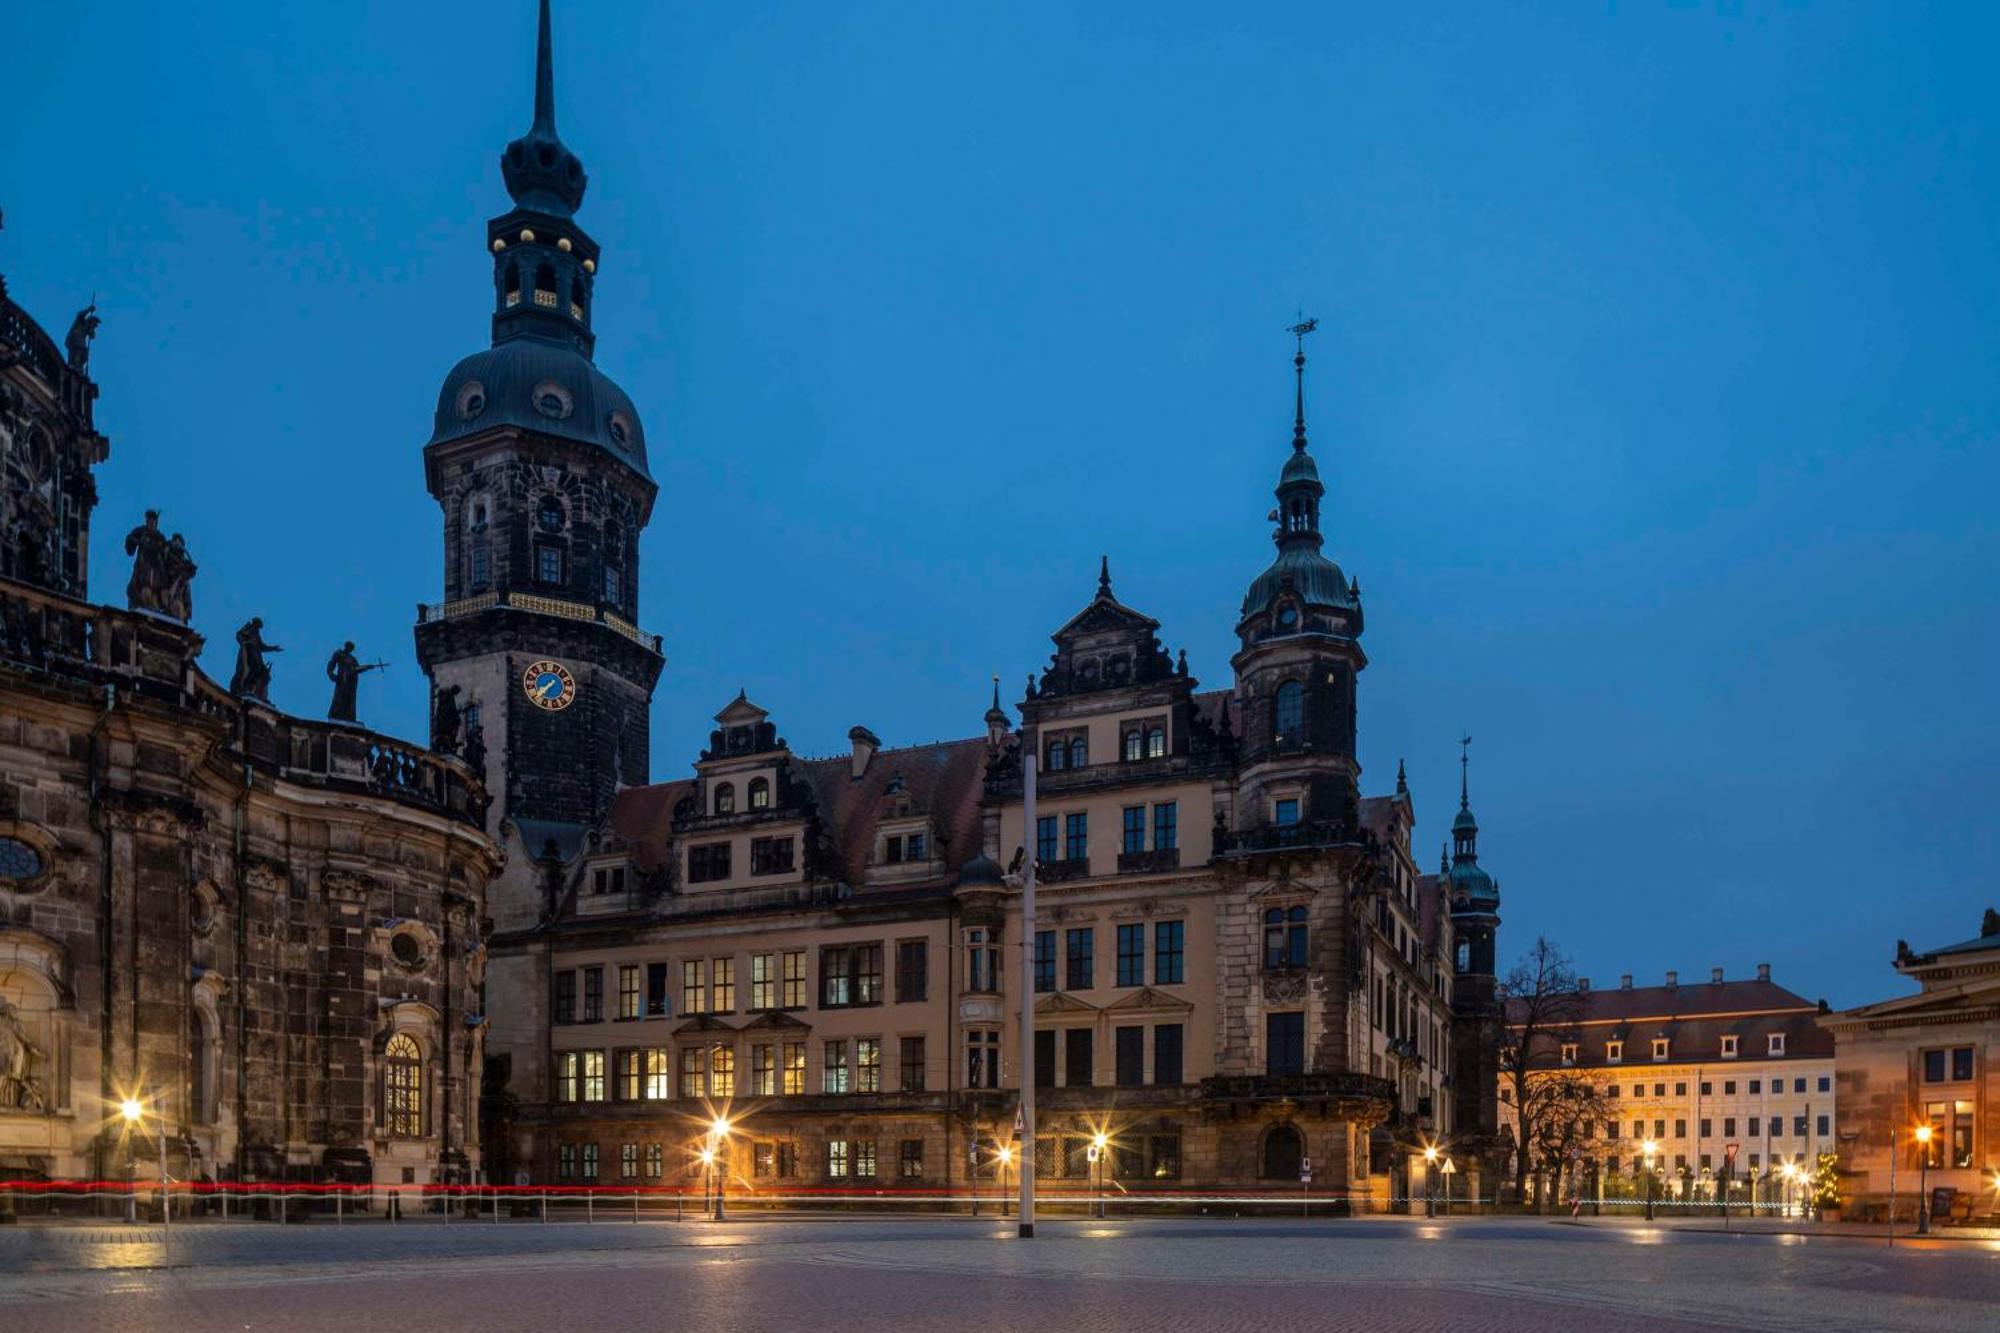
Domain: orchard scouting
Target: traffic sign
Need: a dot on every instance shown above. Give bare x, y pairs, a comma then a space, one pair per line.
1729, 1152
1305, 1177
1306, 1165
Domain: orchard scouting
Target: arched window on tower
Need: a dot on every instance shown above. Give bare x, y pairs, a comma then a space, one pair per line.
545, 286
579, 297
614, 564
1058, 756
725, 798
403, 1087
1156, 742
1135, 745
760, 794
1465, 955
1288, 713
478, 554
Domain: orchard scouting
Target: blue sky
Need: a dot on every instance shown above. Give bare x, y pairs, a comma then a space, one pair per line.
1654, 389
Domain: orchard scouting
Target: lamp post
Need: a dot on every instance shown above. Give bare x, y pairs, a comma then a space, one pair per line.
1923, 1180
1098, 1143
718, 1139
1026, 1062
1006, 1155
1430, 1180
1650, 1148
134, 1111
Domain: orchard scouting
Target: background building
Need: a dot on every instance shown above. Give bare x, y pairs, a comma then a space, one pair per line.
266, 929
1726, 1077
1924, 1060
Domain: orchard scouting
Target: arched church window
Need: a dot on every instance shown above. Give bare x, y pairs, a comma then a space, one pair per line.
1288, 712
1284, 1153
760, 794
725, 798
403, 1087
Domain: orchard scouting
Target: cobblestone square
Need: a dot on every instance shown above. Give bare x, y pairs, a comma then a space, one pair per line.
1373, 1276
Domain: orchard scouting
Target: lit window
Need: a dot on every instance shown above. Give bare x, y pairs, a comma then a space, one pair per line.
403, 1086
1659, 1048
1156, 742
725, 798
760, 794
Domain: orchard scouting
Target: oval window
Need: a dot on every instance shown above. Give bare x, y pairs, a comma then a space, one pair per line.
471, 400
552, 400
408, 949
19, 863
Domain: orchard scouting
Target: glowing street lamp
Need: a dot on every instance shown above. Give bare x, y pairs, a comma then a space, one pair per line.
1650, 1148
1430, 1180
1923, 1180
1006, 1155
134, 1112
1099, 1145
711, 1157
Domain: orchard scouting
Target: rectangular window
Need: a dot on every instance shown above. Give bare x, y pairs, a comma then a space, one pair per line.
628, 990
916, 847
1776, 1043
868, 1064
628, 1161
1167, 1053
835, 1071
593, 1076
659, 1074
593, 995
1285, 1043
1080, 954
1286, 811
912, 1064
763, 981
1729, 1047
795, 1069
1757, 1086
565, 997
836, 978
656, 1161
795, 980
1681, 1129
1076, 836
625, 1075
868, 974
589, 1171
549, 564
656, 990
1045, 1057
913, 969
1729, 1087
763, 1160
1134, 829
1165, 1153
694, 987
911, 1160
1614, 1051
568, 1068
1708, 1129
722, 1072
694, 1074
1169, 940
982, 1059
1961, 1064
864, 1159
1045, 960
771, 856
1045, 838
982, 964
1166, 826
836, 1159
1129, 1051
722, 986
1132, 955
1077, 1071
763, 1071
708, 863
788, 1159
1729, 1127
1825, 1123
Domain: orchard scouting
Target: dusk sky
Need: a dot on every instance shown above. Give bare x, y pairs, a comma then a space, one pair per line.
1655, 388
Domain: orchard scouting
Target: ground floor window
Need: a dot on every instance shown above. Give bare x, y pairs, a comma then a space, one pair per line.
836, 1159
1284, 1151
628, 1161
864, 1158
788, 1158
566, 1161
656, 1161
589, 1166
912, 1159
1951, 1133
1164, 1153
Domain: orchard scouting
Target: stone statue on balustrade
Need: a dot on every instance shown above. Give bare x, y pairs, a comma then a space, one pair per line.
253, 674
446, 720
81, 330
344, 669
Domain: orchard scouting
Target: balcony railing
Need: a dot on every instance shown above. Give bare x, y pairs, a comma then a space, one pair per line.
1153, 862
430, 613
1055, 872
1282, 837
1296, 1087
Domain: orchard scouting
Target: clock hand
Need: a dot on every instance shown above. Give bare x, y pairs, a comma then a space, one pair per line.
543, 692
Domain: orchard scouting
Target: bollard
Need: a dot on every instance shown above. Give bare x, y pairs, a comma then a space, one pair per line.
635, 1205
496, 1207
339, 1206
589, 1206
545, 1207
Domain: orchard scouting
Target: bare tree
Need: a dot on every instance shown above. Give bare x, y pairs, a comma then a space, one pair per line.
1568, 1106
1542, 1005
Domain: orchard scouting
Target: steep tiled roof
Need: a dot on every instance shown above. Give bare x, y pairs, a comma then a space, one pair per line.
1696, 999
1433, 904
1694, 1018
1210, 703
643, 819
942, 780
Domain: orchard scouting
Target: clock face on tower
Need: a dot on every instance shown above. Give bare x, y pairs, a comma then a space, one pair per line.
549, 685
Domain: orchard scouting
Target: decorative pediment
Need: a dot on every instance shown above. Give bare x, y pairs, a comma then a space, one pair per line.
1107, 645
1064, 1003
741, 712
702, 1023
1147, 998
775, 1018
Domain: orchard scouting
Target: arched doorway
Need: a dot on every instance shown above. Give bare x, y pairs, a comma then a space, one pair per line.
1284, 1153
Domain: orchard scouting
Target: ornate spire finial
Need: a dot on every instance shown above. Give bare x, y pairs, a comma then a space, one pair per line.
545, 79
540, 171
996, 691
1464, 765
1299, 332
1402, 779
1104, 576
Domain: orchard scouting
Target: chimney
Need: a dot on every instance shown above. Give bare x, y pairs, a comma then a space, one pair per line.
1673, 980
1625, 981
1583, 985
1763, 971
1715, 976
866, 743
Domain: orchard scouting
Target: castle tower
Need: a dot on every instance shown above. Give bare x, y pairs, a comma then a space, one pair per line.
1301, 653
538, 463
1475, 917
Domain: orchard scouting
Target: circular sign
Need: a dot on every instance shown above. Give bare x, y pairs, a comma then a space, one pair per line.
549, 685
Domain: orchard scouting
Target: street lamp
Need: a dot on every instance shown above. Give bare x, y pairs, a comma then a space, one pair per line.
1430, 1180
718, 1139
1006, 1155
1448, 1168
1098, 1143
134, 1112
1923, 1180
1650, 1148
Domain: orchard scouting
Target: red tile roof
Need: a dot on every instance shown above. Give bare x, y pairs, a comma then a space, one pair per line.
943, 780
643, 819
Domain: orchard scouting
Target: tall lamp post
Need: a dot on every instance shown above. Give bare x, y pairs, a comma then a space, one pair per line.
1923, 1180
1100, 1144
1006, 1156
1026, 1218
718, 1139
1650, 1148
1430, 1180
134, 1111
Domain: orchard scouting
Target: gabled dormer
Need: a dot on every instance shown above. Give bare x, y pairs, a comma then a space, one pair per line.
748, 822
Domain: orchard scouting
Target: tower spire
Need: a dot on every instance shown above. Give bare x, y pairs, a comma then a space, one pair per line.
1104, 576
1464, 768
1299, 332
545, 79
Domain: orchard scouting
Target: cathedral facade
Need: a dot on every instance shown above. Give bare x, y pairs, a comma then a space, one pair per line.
1241, 977
261, 933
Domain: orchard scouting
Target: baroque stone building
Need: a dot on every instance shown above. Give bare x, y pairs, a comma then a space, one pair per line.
266, 930
1242, 978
